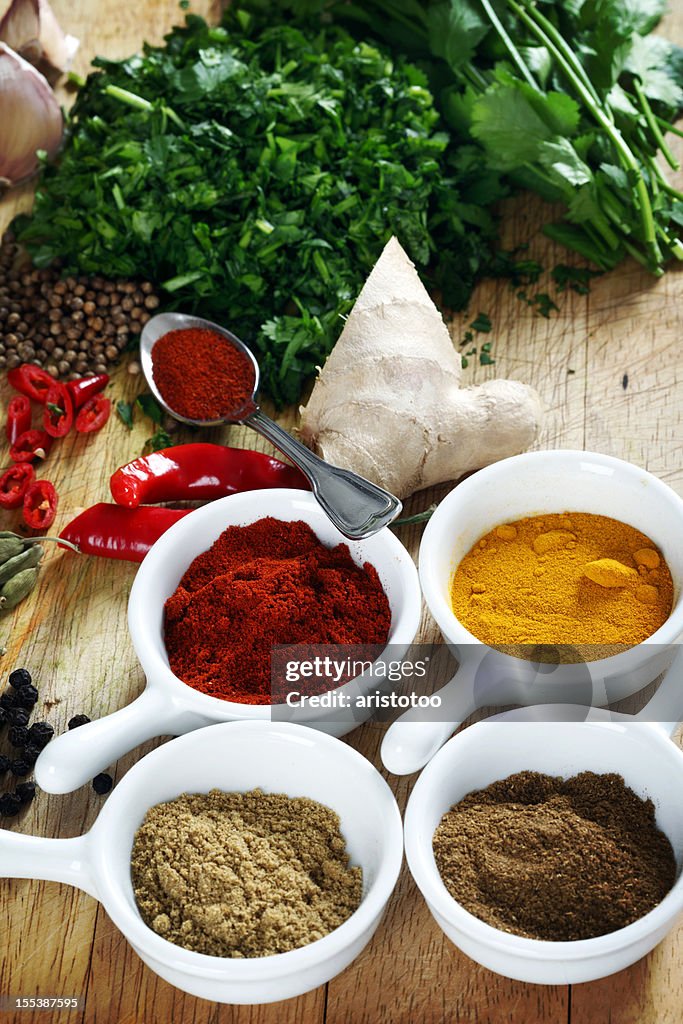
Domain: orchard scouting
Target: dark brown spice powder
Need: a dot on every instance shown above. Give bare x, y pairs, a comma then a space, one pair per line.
553, 858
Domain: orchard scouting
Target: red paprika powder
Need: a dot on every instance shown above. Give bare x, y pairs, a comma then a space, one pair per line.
262, 585
202, 375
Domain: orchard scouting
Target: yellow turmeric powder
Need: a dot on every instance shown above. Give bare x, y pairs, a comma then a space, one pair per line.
576, 579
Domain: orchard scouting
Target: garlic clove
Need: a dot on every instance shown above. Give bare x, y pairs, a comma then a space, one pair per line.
30, 117
58, 49
20, 28
31, 28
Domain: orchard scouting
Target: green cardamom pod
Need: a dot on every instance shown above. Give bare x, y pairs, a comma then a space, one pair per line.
17, 588
10, 546
26, 560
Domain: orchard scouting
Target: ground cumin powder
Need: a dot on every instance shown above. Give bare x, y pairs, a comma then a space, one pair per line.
550, 858
243, 874
563, 579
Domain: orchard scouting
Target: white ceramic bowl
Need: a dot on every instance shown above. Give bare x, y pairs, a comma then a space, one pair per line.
237, 756
640, 751
526, 485
168, 706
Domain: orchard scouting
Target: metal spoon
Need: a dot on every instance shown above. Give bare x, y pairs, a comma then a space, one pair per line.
357, 507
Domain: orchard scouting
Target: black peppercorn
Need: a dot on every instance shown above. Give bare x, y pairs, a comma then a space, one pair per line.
41, 733
20, 677
18, 716
3, 715
7, 700
31, 752
102, 783
26, 791
77, 720
4, 764
20, 767
10, 804
27, 696
18, 735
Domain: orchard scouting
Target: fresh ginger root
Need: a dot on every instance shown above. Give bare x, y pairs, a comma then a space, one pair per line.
388, 402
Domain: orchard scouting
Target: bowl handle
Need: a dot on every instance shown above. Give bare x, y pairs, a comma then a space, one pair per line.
74, 758
665, 707
413, 739
55, 860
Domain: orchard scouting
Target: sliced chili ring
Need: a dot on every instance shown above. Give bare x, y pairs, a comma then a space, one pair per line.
31, 445
14, 484
93, 415
58, 417
18, 417
84, 389
40, 505
31, 381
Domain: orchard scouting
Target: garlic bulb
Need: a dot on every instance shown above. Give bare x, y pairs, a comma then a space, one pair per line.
31, 28
30, 117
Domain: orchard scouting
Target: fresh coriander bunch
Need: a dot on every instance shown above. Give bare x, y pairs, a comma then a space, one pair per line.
255, 171
571, 98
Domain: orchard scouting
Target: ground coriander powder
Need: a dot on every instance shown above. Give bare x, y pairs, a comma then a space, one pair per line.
243, 874
552, 858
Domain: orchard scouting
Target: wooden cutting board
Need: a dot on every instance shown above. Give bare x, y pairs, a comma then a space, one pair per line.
608, 368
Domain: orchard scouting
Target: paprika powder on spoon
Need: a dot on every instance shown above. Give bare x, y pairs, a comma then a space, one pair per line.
202, 375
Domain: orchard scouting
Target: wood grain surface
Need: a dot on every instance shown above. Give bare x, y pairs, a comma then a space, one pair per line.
72, 636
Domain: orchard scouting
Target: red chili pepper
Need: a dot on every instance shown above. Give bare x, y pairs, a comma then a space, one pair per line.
93, 415
199, 471
58, 417
40, 505
14, 484
18, 417
86, 388
115, 532
31, 381
32, 444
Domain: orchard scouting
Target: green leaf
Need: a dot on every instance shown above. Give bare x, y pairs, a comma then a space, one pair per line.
455, 30
481, 323
159, 440
544, 304
649, 61
562, 160
125, 413
508, 126
148, 404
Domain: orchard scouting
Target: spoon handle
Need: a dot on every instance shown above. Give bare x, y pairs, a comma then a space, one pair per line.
357, 507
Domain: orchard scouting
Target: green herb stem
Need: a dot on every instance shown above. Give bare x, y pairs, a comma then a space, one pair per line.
419, 517
654, 127
139, 102
668, 127
516, 56
563, 50
587, 95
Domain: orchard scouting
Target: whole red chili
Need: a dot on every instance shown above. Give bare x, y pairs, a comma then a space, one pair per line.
202, 375
115, 532
31, 381
93, 415
262, 585
40, 505
31, 445
58, 417
190, 472
14, 483
86, 388
18, 417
